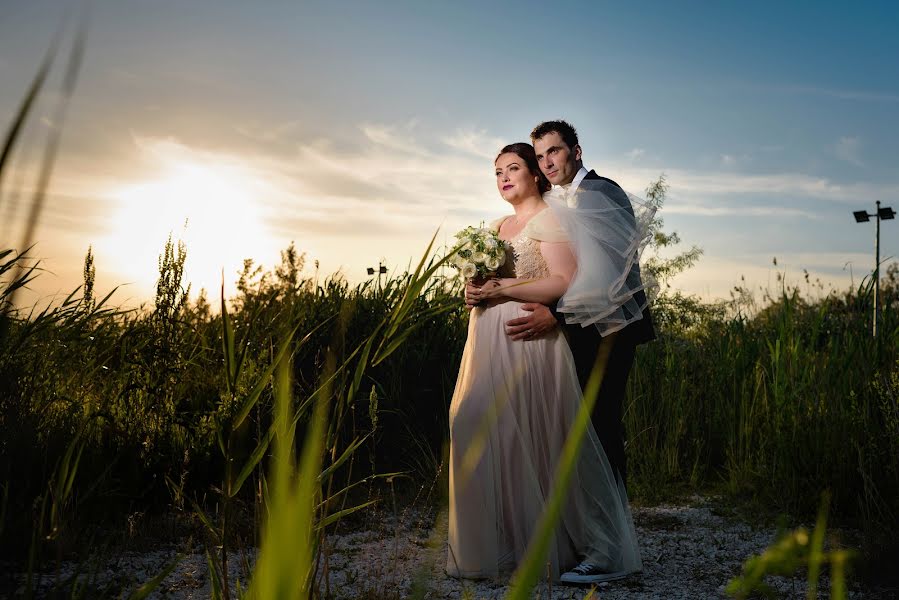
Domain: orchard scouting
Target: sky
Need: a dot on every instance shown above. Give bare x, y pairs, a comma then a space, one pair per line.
358, 129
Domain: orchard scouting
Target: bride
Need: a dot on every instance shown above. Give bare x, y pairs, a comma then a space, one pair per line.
514, 404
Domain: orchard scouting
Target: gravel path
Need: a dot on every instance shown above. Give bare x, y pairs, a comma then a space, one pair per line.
688, 552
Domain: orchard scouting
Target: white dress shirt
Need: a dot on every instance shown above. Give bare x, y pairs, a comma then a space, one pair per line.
571, 188
578, 178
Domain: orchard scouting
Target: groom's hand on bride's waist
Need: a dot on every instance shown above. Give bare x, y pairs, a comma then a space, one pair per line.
531, 326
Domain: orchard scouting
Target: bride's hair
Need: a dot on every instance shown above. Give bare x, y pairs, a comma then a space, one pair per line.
526, 152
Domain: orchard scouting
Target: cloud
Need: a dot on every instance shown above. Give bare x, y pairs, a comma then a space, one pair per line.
716, 276
387, 183
270, 133
635, 153
849, 150
704, 210
476, 142
393, 137
728, 160
380, 191
691, 184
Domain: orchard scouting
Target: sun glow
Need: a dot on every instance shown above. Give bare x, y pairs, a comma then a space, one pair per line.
213, 208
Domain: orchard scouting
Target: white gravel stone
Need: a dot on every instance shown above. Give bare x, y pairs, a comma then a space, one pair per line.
688, 552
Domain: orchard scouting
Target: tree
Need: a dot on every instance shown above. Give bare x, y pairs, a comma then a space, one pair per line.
659, 268
671, 310
288, 273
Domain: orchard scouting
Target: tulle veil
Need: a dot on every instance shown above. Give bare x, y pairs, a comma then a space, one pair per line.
608, 229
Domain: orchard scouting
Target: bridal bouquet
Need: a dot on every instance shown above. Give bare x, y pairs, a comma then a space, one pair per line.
479, 252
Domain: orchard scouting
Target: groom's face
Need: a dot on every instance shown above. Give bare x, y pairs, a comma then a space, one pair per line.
558, 161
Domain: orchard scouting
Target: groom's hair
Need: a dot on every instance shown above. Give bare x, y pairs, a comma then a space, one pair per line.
526, 153
563, 128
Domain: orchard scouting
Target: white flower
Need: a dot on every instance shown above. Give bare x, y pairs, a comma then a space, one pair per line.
479, 249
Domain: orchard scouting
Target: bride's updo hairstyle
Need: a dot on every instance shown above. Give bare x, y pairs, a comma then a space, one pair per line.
526, 152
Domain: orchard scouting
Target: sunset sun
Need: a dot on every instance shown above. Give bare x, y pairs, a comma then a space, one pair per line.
212, 208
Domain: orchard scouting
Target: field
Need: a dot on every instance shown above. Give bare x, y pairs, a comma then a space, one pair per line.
170, 411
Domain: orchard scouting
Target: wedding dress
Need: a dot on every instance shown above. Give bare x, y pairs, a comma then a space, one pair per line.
511, 411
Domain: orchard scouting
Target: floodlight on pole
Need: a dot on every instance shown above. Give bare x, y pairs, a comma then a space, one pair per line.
381, 270
862, 216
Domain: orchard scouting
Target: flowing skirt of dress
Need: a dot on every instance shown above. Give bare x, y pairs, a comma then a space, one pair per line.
512, 409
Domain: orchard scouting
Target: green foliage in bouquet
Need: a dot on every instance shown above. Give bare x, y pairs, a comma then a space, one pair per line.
480, 252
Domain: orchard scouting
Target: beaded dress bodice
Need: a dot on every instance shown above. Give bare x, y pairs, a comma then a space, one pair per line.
523, 257
526, 260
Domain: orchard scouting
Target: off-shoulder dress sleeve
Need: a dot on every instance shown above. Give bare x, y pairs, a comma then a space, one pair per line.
497, 223
545, 227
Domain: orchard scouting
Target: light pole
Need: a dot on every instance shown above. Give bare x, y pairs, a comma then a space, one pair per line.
862, 216
381, 271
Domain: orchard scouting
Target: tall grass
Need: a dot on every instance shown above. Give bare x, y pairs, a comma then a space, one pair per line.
779, 401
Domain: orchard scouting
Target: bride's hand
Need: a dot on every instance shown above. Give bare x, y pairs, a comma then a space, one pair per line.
471, 294
492, 288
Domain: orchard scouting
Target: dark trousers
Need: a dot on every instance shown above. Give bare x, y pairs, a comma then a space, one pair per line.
606, 416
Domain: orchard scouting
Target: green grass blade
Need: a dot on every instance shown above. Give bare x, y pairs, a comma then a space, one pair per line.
343, 457
207, 522
397, 341
215, 577
258, 453
838, 590
34, 90
72, 470
263, 382
73, 67
285, 555
816, 549
333, 518
150, 586
531, 568
227, 343
335, 495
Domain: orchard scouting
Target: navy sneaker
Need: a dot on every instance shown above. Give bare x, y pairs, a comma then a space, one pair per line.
587, 572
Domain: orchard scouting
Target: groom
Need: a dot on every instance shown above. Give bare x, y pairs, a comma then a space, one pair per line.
559, 155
